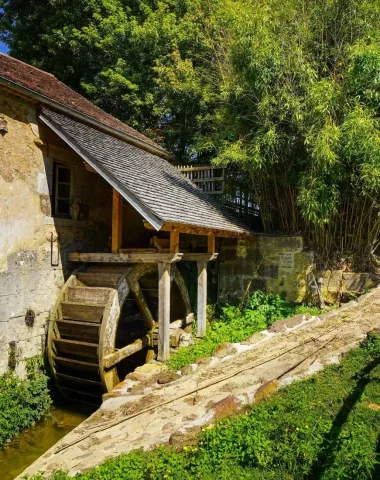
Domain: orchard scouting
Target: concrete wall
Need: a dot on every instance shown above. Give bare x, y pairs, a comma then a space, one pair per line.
268, 263
34, 244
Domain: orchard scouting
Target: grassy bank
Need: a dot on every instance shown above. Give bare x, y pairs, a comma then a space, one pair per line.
22, 401
325, 427
235, 323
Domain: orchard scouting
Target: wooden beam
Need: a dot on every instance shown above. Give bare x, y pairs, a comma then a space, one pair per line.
141, 302
196, 230
202, 299
117, 221
211, 243
116, 357
174, 241
197, 257
125, 257
163, 312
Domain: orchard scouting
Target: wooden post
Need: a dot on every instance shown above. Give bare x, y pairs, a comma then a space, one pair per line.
163, 311
117, 221
174, 241
211, 243
202, 298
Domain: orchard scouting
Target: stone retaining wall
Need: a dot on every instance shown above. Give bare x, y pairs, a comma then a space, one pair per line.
277, 264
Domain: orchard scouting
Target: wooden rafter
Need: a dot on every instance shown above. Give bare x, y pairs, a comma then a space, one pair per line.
196, 230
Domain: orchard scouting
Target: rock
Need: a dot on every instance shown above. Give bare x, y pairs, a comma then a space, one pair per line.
152, 368
137, 391
167, 378
189, 369
266, 389
282, 325
188, 329
175, 337
186, 339
139, 377
180, 438
255, 338
224, 349
203, 361
293, 321
176, 324
277, 327
226, 407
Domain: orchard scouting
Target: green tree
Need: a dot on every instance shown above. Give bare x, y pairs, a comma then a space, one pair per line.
286, 90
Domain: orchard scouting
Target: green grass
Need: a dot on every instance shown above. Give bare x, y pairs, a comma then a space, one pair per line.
326, 427
235, 324
23, 401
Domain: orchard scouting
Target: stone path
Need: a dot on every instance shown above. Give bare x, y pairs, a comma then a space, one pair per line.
141, 413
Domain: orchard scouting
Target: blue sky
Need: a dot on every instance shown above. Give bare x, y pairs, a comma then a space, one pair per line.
3, 48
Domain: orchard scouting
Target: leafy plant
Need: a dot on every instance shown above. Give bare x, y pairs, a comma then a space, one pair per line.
237, 323
23, 401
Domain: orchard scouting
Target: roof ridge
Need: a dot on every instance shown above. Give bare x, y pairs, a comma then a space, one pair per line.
28, 65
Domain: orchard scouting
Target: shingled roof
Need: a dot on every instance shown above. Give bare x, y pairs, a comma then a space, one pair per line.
157, 190
50, 91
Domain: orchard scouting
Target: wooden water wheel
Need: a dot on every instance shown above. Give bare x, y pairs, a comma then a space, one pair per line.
104, 325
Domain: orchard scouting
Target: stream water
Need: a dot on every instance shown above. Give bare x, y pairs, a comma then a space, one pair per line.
34, 441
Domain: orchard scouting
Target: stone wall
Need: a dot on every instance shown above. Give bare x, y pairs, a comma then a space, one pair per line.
33, 243
269, 263
276, 264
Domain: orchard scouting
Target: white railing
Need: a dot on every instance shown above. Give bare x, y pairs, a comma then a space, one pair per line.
208, 178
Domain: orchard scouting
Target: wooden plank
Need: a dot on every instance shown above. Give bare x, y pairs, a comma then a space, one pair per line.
138, 250
75, 342
211, 243
116, 357
82, 311
196, 230
202, 299
125, 257
164, 312
79, 323
76, 363
76, 348
84, 381
174, 241
80, 392
213, 179
117, 221
199, 257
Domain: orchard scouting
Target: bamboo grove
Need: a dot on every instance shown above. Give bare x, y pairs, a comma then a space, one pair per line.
288, 91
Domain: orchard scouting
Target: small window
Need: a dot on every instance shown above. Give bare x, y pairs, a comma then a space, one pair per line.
62, 189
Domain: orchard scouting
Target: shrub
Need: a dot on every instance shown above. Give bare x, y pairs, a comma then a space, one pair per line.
237, 323
22, 401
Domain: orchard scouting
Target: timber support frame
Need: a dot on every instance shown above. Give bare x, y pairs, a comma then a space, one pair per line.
164, 282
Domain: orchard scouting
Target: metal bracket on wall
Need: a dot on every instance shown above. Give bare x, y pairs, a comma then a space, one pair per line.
52, 263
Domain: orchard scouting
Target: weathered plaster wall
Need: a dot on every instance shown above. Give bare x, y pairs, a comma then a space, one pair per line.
268, 263
33, 244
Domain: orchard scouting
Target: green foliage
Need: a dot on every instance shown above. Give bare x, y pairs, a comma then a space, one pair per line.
286, 91
22, 401
236, 324
322, 427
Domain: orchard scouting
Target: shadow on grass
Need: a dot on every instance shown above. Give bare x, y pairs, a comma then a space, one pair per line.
327, 453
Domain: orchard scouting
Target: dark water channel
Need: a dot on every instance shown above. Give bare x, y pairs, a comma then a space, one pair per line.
34, 441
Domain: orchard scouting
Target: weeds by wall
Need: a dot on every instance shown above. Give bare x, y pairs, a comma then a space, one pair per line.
23, 401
